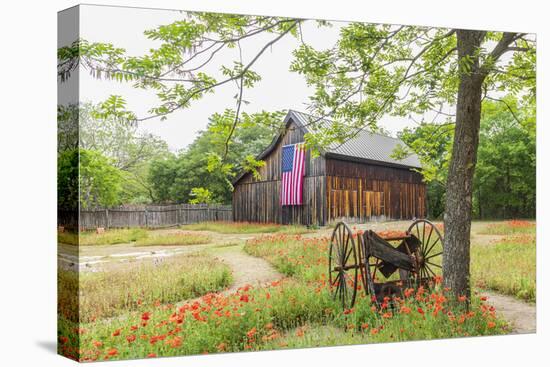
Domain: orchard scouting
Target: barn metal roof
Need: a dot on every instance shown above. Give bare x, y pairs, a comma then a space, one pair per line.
365, 145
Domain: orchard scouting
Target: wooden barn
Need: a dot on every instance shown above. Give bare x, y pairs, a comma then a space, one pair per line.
357, 181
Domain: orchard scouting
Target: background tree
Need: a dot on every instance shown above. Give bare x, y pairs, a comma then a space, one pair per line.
505, 179
201, 165
100, 182
432, 143
104, 129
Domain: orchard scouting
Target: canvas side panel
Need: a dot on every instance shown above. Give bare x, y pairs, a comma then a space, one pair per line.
68, 183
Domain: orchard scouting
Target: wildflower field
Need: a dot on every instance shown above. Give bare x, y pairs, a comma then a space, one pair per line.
141, 316
111, 293
507, 265
246, 227
510, 227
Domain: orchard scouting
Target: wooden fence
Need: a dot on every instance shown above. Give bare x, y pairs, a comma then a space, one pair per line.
154, 216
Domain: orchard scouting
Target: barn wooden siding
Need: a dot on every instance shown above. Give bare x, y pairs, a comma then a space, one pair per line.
361, 192
257, 200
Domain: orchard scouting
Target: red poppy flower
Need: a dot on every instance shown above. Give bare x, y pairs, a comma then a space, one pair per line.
405, 309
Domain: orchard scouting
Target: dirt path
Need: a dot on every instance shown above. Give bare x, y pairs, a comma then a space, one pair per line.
521, 315
247, 269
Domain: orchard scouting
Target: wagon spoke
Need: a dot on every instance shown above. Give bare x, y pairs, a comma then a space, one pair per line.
430, 270
429, 237
432, 246
336, 291
344, 290
346, 254
335, 279
437, 266
434, 255
337, 243
422, 273
425, 244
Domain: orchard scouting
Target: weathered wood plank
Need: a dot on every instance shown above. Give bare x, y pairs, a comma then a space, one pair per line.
152, 216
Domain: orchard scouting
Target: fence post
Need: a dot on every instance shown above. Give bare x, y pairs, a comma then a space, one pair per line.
146, 220
106, 218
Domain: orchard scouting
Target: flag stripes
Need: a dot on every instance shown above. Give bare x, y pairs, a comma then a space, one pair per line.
292, 174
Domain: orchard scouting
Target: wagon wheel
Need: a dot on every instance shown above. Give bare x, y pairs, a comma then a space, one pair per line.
367, 276
343, 265
428, 254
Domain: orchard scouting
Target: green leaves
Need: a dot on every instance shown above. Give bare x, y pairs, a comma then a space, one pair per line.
200, 195
179, 70
100, 183
505, 181
114, 108
251, 164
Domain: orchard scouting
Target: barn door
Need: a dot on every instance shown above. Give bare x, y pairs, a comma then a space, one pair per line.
373, 204
344, 204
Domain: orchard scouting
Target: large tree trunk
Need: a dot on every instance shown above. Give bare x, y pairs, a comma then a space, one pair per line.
458, 205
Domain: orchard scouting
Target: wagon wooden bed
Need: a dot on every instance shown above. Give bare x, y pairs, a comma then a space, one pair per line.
355, 260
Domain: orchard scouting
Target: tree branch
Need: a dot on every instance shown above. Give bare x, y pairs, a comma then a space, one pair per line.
235, 77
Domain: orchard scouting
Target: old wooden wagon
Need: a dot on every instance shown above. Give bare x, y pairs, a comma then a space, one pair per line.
362, 261
356, 181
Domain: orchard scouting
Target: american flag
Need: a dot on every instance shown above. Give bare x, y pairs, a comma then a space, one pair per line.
292, 174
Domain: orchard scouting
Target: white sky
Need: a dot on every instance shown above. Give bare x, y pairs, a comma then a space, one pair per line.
278, 89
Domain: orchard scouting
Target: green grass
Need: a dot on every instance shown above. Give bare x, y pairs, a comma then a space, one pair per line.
137, 236
174, 239
510, 227
305, 259
107, 294
69, 238
508, 266
112, 236
245, 228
